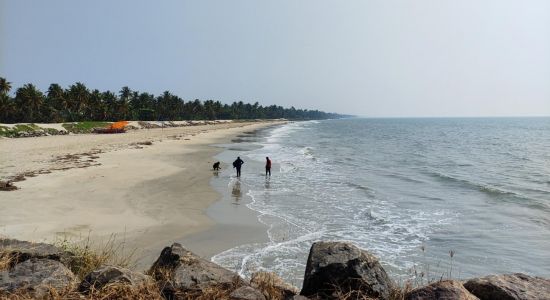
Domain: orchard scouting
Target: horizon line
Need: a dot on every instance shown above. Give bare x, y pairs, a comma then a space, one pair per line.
446, 117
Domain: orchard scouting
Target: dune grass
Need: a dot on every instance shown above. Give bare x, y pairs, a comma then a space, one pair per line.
86, 256
84, 127
14, 131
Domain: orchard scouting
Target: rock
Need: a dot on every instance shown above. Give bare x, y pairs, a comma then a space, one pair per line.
339, 266
36, 276
7, 186
246, 293
516, 286
105, 275
447, 290
273, 285
20, 251
179, 270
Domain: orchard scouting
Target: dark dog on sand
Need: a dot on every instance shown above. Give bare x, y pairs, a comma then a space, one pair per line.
216, 166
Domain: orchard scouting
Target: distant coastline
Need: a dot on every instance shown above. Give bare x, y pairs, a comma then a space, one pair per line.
77, 103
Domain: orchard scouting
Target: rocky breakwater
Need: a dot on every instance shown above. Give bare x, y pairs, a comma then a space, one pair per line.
335, 270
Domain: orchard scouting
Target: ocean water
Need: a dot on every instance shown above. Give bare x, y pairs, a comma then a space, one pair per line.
411, 191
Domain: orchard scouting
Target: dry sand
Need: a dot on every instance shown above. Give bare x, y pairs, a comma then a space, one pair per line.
148, 195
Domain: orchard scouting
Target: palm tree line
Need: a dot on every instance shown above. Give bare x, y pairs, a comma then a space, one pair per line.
78, 103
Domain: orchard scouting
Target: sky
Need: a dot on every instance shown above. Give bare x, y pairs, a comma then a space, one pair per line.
386, 58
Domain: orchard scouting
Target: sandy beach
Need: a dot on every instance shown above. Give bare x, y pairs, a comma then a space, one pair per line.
100, 185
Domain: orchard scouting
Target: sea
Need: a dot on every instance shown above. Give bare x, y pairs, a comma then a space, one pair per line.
431, 197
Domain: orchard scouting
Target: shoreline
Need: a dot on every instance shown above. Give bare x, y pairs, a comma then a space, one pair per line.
236, 223
147, 195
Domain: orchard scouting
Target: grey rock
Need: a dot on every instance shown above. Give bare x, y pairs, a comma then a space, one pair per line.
179, 270
444, 290
20, 251
516, 286
36, 276
340, 266
105, 275
246, 293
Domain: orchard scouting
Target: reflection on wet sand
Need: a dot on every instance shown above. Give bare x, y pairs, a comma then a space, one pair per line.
236, 192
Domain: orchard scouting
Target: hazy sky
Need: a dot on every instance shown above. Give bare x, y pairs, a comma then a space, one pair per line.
372, 58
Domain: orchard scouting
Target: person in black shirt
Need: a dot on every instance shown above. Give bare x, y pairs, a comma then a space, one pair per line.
238, 163
267, 166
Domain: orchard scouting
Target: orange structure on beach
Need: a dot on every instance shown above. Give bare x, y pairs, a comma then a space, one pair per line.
116, 127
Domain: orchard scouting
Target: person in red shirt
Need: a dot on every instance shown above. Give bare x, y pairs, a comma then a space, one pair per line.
267, 166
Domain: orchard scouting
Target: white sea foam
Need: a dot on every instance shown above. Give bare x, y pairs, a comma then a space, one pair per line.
304, 204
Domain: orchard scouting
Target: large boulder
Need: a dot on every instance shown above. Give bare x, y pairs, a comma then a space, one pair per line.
35, 277
444, 290
246, 293
272, 285
19, 251
107, 275
516, 286
179, 270
334, 267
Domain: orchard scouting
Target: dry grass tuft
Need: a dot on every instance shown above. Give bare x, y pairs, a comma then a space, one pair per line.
49, 293
354, 294
399, 293
126, 292
210, 292
5, 261
109, 292
272, 286
86, 256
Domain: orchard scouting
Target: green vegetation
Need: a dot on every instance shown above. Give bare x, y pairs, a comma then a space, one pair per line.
84, 127
77, 103
12, 132
51, 131
5, 131
26, 127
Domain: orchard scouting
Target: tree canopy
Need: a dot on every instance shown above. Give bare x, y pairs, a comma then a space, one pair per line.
78, 103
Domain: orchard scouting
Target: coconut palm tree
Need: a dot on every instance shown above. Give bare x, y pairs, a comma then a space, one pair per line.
124, 102
8, 109
56, 94
96, 109
5, 86
29, 99
209, 110
110, 100
125, 93
163, 106
57, 104
78, 97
